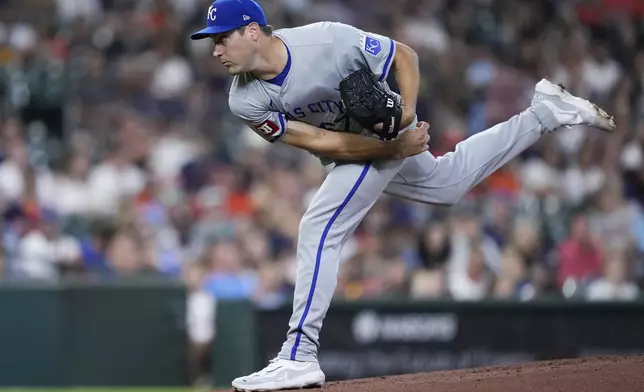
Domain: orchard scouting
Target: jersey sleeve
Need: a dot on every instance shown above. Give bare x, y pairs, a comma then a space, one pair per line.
266, 123
355, 49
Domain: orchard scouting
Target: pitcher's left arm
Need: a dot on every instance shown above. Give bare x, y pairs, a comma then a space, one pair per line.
356, 49
407, 73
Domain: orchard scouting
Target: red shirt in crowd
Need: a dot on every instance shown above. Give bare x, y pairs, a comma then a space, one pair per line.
594, 12
579, 260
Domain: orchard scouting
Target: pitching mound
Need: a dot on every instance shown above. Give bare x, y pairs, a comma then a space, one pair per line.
605, 374
602, 374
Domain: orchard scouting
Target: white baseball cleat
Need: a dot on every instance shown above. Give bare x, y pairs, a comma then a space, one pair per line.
282, 374
570, 110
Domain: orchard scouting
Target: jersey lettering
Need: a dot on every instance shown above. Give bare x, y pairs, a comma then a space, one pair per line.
299, 113
325, 106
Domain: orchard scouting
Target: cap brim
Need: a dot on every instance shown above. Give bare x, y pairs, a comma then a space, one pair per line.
208, 31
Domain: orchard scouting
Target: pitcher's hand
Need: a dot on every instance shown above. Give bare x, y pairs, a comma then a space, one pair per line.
413, 142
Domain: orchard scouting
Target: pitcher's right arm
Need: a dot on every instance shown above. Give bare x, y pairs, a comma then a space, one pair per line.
352, 147
273, 126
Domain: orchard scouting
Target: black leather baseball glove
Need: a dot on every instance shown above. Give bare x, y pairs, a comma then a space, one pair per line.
368, 103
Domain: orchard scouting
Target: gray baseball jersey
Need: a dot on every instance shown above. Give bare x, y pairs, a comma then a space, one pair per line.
320, 55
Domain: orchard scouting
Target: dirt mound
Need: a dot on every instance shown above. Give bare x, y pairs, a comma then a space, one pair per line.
605, 374
601, 374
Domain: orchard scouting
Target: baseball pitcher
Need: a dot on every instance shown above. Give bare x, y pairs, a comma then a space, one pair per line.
321, 87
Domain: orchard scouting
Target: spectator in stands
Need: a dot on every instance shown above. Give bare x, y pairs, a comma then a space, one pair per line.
128, 254
632, 163
618, 222
68, 191
114, 179
363, 274
600, 72
271, 291
13, 170
513, 279
474, 283
616, 282
95, 243
434, 252
255, 247
434, 247
351, 279
201, 324
524, 272
580, 256
474, 258
428, 285
498, 215
227, 277
584, 177
45, 252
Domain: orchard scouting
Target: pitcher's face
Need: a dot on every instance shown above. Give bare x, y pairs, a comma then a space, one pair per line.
235, 49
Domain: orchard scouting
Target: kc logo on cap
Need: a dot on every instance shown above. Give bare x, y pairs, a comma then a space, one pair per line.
212, 13
230, 15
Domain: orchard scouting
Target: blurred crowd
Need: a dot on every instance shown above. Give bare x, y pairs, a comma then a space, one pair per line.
119, 158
